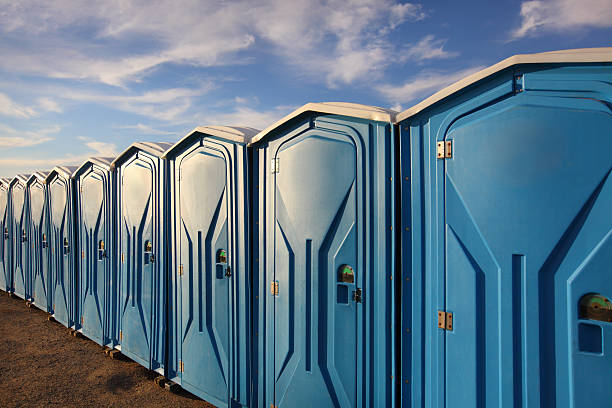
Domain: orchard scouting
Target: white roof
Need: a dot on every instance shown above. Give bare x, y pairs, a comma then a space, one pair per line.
104, 162
20, 177
155, 148
354, 110
232, 133
580, 55
65, 171
40, 175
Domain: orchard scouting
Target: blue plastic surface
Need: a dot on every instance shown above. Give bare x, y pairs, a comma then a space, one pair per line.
142, 245
6, 269
19, 236
60, 190
97, 284
209, 326
329, 205
508, 235
38, 273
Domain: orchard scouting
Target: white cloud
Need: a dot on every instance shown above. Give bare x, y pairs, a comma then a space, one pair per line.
102, 149
149, 130
162, 104
245, 116
9, 107
27, 164
340, 41
556, 15
421, 86
426, 49
49, 105
10, 137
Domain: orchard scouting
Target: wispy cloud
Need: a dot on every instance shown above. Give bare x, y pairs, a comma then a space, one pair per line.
421, 86
341, 41
246, 116
338, 40
544, 15
11, 137
49, 105
149, 130
428, 48
8, 107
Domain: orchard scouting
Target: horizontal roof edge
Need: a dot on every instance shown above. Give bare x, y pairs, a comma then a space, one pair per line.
238, 134
334, 108
580, 55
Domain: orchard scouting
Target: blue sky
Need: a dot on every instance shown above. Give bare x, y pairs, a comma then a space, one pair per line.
83, 78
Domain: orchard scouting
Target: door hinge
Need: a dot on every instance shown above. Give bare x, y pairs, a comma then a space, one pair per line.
357, 295
82, 320
120, 335
82, 254
445, 149
181, 366
80, 188
274, 288
275, 165
445, 320
180, 270
122, 257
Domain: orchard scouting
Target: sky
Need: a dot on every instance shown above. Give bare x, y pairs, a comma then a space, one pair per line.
82, 78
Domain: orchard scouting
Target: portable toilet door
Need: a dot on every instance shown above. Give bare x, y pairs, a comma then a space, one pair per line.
140, 175
62, 243
96, 284
324, 257
510, 232
19, 237
5, 247
209, 294
36, 196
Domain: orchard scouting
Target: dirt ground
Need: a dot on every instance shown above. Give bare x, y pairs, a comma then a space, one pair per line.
42, 365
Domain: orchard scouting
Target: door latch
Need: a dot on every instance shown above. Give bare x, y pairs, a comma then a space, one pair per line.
357, 297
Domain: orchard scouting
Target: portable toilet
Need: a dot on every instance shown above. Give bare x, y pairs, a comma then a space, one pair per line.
323, 258
6, 276
62, 243
96, 282
209, 293
37, 231
140, 175
19, 227
507, 232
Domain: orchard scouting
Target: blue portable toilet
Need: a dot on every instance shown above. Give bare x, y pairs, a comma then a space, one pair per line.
323, 258
38, 271
96, 283
141, 177
6, 276
62, 244
19, 228
209, 320
507, 236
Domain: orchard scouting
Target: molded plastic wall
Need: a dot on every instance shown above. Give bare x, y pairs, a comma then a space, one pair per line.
508, 235
329, 205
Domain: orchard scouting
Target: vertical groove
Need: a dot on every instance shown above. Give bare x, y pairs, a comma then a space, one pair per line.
200, 287
132, 265
518, 270
308, 305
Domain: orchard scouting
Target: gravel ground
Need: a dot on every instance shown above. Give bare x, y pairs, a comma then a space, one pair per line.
42, 365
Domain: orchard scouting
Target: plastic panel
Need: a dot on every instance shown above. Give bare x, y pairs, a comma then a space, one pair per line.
210, 330
508, 235
330, 204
